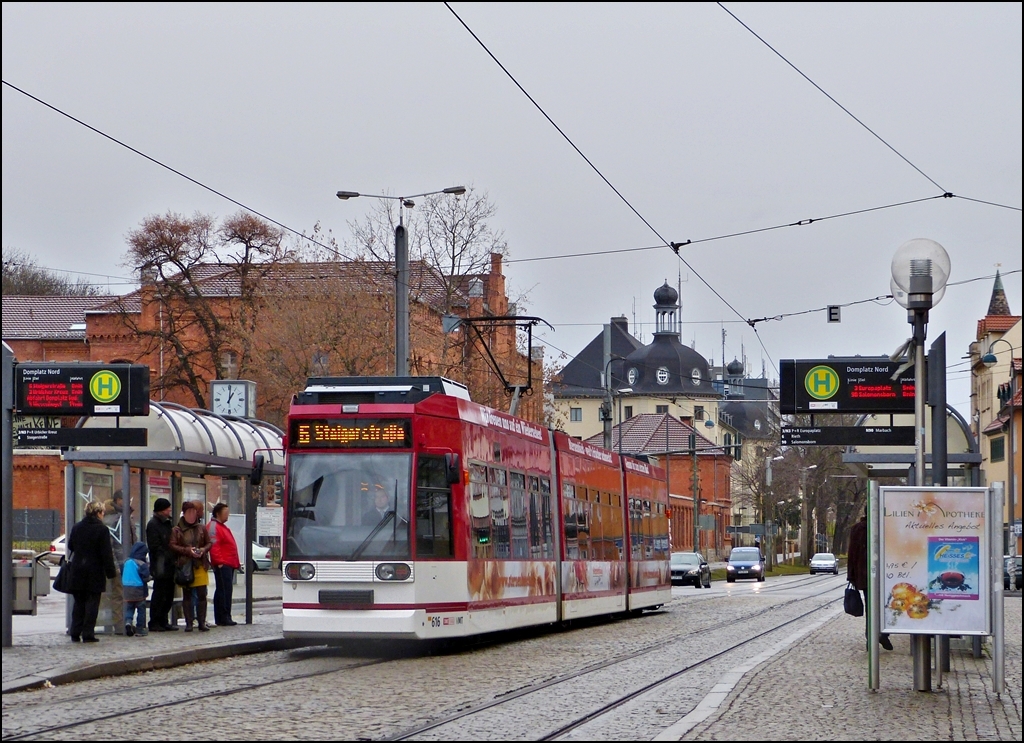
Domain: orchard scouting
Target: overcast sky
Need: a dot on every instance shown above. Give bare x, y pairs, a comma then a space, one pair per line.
697, 123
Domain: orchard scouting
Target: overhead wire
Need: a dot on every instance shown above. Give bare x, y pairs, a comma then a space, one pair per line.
945, 193
189, 178
672, 246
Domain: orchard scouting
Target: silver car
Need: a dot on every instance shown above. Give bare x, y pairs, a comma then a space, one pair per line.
825, 562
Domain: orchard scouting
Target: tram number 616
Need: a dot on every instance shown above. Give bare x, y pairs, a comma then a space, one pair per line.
435, 621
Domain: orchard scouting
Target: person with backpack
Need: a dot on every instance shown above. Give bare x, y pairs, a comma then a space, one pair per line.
135, 580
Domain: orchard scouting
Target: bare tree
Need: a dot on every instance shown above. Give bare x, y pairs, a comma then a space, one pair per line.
22, 276
199, 293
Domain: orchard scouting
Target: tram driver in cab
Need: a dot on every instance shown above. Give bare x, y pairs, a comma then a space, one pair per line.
382, 505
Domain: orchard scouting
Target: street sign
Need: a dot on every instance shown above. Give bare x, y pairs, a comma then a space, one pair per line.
848, 436
57, 437
81, 389
845, 385
833, 313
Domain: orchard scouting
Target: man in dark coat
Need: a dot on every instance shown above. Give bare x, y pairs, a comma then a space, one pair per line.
161, 561
92, 565
857, 566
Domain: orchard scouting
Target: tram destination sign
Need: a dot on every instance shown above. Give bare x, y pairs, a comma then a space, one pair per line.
848, 436
350, 433
845, 385
81, 389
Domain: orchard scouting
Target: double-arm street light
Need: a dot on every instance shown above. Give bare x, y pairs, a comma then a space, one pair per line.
990, 360
402, 271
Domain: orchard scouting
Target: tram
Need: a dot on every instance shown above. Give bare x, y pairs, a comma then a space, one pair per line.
412, 512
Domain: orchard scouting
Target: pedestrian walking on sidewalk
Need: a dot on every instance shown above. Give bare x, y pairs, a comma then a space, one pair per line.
224, 558
161, 564
857, 567
135, 580
190, 541
92, 564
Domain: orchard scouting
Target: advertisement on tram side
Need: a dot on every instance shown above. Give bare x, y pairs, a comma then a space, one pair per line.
934, 559
497, 580
579, 577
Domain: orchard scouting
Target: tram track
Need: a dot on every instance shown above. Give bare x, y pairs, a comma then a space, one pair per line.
619, 659
189, 699
658, 644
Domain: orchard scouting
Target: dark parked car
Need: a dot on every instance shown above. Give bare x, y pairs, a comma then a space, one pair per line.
690, 568
745, 562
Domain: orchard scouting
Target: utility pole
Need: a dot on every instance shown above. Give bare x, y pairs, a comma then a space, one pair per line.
696, 493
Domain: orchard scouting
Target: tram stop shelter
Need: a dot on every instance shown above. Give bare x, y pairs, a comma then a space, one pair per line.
190, 454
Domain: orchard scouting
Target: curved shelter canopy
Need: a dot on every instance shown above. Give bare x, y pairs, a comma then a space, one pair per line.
188, 440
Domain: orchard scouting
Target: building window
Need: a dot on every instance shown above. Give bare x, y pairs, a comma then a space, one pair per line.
575, 414
628, 412
997, 449
661, 409
698, 412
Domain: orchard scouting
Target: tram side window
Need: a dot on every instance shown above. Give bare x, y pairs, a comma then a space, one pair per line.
433, 509
547, 519
572, 545
479, 512
501, 535
583, 523
636, 528
536, 518
519, 516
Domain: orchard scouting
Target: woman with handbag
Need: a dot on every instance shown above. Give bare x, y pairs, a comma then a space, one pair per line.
191, 543
857, 567
91, 563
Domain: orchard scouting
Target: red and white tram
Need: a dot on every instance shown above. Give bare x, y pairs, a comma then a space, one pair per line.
413, 513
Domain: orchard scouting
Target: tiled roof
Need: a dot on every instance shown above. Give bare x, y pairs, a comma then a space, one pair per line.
221, 280
48, 317
996, 323
645, 434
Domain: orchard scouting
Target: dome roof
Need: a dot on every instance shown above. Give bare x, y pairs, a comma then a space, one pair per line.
666, 295
735, 368
666, 366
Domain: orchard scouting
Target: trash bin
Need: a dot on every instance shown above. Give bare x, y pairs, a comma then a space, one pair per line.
24, 598
31, 579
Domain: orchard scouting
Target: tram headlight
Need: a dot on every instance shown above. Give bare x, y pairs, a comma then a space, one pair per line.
300, 571
393, 571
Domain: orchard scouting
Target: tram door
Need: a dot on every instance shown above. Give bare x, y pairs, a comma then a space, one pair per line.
433, 508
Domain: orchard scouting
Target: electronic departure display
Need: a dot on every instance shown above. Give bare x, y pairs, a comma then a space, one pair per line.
340, 433
81, 389
845, 385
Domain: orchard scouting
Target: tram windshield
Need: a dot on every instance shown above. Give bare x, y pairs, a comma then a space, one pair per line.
348, 506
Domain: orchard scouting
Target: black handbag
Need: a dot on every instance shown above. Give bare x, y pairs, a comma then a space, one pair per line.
62, 582
184, 574
852, 603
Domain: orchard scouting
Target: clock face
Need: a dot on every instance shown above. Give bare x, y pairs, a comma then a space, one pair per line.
230, 399
632, 375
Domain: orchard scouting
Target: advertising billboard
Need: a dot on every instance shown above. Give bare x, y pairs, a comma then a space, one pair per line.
935, 560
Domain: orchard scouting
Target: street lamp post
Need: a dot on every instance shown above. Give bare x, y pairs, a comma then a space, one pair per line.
606, 410
402, 271
920, 269
806, 539
990, 360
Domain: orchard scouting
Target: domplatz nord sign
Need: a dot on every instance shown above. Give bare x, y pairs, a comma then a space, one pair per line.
857, 384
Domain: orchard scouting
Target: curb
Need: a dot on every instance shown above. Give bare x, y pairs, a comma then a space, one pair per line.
124, 666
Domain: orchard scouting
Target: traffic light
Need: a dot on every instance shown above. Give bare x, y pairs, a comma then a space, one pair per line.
278, 490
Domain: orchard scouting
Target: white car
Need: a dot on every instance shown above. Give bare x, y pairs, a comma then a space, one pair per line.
261, 557
57, 551
824, 562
